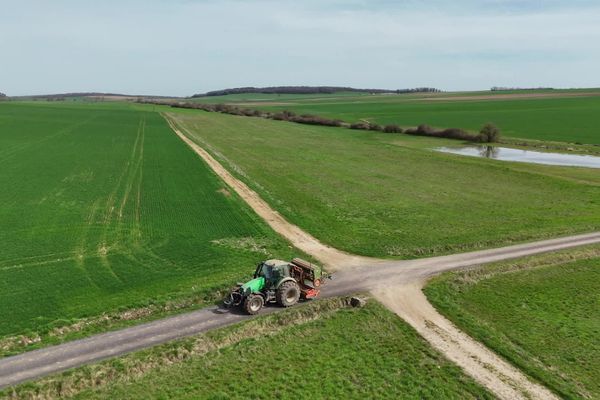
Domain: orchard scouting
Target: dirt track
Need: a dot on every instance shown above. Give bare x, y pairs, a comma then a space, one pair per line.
406, 298
329, 256
504, 380
396, 284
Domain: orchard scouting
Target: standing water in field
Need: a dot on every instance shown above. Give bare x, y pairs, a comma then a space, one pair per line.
534, 157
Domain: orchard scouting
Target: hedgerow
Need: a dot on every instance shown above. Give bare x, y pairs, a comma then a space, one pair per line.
489, 133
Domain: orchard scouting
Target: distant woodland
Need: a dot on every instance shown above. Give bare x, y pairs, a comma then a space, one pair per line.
308, 90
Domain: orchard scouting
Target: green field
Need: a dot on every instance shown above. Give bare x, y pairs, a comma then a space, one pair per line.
107, 211
564, 119
103, 208
389, 195
311, 351
540, 313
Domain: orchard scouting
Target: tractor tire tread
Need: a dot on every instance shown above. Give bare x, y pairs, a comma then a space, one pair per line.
282, 294
248, 304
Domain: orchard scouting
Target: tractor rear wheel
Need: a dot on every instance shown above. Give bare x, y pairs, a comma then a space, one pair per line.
253, 304
288, 294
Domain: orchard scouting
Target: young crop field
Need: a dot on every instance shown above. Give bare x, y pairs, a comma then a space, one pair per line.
540, 313
304, 352
561, 117
103, 208
389, 195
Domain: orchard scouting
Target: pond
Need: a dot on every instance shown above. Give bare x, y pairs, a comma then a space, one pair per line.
534, 157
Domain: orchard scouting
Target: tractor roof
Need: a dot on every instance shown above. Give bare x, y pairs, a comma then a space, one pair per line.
276, 263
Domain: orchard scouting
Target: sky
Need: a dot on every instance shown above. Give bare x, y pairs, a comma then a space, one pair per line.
182, 47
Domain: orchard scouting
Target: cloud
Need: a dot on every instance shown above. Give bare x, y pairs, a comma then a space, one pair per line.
184, 47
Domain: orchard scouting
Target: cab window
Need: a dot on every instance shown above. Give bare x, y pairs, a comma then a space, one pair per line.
265, 271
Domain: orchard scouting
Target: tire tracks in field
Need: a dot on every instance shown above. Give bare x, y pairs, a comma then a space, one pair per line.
80, 254
403, 294
80, 251
113, 218
127, 228
10, 152
135, 165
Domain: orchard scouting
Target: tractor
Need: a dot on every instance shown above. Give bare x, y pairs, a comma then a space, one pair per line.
277, 281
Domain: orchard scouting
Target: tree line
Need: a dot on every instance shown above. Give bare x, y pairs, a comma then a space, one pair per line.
308, 90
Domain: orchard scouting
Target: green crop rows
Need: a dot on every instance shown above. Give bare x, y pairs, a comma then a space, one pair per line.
103, 208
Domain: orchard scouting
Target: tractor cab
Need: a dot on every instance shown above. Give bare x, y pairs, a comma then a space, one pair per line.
273, 271
284, 282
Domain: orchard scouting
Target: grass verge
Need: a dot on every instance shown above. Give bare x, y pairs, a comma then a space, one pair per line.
321, 350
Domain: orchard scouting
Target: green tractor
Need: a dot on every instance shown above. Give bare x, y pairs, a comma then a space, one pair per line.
278, 281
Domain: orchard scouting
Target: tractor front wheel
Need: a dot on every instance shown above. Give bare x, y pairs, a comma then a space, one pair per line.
253, 304
288, 294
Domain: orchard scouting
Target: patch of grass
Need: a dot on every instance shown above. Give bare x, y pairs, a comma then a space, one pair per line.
312, 351
388, 195
104, 209
540, 313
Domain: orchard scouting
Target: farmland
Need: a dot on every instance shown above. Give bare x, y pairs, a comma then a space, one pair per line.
540, 313
254, 199
104, 209
342, 353
109, 213
565, 118
389, 195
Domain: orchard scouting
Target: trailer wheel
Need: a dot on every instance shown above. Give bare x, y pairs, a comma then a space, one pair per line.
288, 294
253, 304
